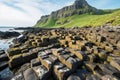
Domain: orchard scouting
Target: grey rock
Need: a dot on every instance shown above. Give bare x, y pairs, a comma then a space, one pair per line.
3, 65
18, 77
29, 74
73, 77
3, 57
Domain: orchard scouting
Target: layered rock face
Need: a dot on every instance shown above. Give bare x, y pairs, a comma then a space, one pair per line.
67, 54
79, 7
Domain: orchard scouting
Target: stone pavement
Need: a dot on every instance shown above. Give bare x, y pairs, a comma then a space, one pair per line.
66, 54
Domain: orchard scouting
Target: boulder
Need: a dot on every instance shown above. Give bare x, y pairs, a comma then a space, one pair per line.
74, 77
2, 51
108, 69
27, 57
3, 65
81, 73
113, 57
42, 72
18, 77
90, 66
118, 44
99, 73
61, 72
72, 63
35, 62
21, 39
54, 58
109, 77
7, 34
117, 75
23, 68
13, 51
3, 57
102, 55
80, 54
29, 74
116, 52
115, 63
91, 58
65, 58
16, 61
92, 77
47, 62
109, 48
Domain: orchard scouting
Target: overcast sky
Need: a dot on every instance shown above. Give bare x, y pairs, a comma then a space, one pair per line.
28, 12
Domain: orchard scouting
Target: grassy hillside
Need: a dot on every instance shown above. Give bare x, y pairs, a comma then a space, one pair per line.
83, 20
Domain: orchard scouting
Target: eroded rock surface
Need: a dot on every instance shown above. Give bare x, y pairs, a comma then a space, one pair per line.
7, 34
67, 54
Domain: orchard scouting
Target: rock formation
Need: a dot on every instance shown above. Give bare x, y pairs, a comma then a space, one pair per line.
7, 34
67, 54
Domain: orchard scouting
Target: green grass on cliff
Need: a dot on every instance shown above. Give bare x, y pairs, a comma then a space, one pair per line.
84, 20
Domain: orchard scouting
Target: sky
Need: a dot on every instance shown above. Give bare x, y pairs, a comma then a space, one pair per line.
23, 13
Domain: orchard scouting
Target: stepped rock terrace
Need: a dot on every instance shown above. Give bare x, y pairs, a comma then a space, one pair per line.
66, 54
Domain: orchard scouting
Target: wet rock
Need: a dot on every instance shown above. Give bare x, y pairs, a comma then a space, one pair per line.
91, 57
29, 74
16, 61
6, 35
115, 63
45, 60
90, 66
101, 38
61, 54
108, 77
3, 57
3, 65
102, 55
92, 77
72, 63
108, 69
21, 39
18, 77
73, 77
13, 51
118, 44
80, 54
35, 62
23, 68
66, 59
2, 51
61, 72
42, 72
82, 73
116, 52
116, 75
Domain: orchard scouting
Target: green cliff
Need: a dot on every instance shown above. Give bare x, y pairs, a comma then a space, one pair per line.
81, 14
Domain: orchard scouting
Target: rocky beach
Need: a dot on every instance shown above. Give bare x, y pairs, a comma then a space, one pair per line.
64, 54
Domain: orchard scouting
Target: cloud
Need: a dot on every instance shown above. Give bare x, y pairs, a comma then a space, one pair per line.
26, 12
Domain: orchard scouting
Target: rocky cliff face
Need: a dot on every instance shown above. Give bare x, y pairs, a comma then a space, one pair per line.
78, 7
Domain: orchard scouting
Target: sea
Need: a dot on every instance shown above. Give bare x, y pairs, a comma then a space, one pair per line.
4, 43
6, 74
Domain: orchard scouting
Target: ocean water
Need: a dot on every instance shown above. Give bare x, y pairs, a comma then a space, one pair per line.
6, 29
9, 29
4, 44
